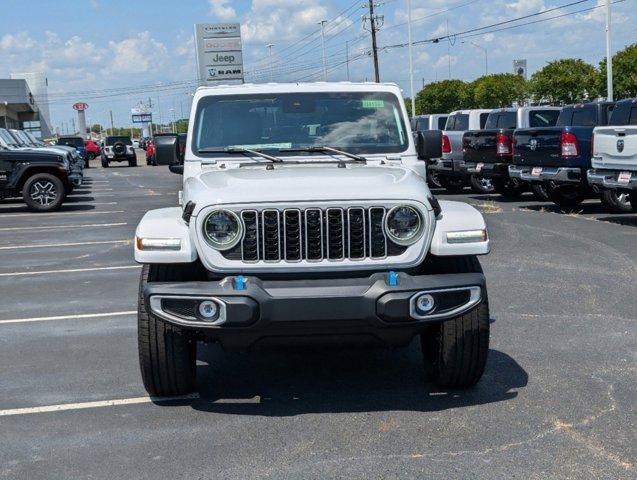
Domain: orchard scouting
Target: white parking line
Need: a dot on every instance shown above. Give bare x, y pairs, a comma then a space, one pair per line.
101, 189
77, 244
73, 270
87, 212
99, 404
68, 317
57, 227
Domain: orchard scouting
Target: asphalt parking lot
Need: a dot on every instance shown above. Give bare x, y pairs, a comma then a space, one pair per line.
557, 399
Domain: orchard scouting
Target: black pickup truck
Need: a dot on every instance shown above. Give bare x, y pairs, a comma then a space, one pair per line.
559, 157
487, 153
40, 177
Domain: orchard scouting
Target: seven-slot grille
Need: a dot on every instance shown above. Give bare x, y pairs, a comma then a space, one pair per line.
314, 235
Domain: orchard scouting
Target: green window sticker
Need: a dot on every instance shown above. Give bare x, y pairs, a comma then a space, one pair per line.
373, 103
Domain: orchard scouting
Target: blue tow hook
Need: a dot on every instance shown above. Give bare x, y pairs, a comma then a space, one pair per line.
392, 279
240, 282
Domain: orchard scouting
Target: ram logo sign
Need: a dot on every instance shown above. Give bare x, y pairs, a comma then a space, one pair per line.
224, 73
533, 144
620, 145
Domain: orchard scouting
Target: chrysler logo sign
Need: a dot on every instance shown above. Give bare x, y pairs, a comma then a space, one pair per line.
620, 145
533, 144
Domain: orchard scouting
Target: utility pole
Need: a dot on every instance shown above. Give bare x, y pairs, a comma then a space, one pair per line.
112, 125
73, 123
411, 61
372, 23
322, 24
609, 55
269, 46
347, 58
448, 49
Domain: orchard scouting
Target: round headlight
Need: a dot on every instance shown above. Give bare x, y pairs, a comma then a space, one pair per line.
222, 229
403, 225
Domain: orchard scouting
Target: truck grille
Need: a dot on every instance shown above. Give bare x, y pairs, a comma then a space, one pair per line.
314, 235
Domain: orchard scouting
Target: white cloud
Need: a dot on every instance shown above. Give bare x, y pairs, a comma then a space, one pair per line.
221, 10
16, 43
137, 54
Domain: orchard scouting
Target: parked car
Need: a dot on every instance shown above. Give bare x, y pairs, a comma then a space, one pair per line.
445, 171
559, 157
93, 150
40, 177
614, 157
78, 144
118, 149
317, 237
487, 152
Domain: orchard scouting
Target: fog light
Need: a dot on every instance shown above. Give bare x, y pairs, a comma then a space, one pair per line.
208, 310
424, 304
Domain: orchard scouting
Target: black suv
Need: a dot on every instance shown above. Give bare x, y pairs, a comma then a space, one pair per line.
40, 177
78, 144
118, 149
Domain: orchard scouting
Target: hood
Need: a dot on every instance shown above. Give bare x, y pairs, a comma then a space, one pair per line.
290, 184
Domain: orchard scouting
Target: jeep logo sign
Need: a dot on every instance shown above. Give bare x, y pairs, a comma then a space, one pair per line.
620, 145
219, 52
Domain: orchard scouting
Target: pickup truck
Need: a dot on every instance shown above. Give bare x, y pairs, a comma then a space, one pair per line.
559, 157
40, 177
487, 152
433, 121
304, 217
614, 157
446, 170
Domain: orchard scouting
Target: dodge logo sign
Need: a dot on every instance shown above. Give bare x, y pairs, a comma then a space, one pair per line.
533, 144
620, 145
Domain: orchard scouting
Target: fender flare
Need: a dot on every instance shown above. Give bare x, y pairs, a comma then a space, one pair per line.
457, 217
163, 224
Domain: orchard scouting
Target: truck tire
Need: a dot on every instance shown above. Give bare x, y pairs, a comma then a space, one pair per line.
617, 202
539, 192
567, 197
455, 351
452, 184
132, 163
432, 180
104, 163
633, 200
481, 184
508, 187
167, 356
43, 192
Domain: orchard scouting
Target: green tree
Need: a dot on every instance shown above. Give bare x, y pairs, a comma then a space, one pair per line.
444, 97
500, 90
568, 80
96, 128
624, 73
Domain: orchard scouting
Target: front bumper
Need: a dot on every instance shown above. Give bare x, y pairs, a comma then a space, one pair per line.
610, 179
76, 179
546, 174
487, 170
371, 307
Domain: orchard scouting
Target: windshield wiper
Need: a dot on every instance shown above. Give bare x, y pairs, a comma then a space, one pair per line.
242, 151
326, 149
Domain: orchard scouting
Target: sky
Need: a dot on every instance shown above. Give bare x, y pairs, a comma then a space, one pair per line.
112, 54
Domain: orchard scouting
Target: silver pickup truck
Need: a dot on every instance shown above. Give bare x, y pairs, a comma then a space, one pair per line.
445, 171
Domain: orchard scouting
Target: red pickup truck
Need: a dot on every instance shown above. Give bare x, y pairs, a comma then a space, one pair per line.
92, 149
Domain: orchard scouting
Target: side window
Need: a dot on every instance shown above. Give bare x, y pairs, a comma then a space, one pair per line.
621, 114
449, 124
462, 123
543, 118
633, 116
483, 120
441, 123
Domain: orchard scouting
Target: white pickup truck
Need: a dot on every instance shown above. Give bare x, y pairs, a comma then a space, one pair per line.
614, 156
305, 217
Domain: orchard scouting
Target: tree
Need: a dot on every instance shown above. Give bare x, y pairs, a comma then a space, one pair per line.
444, 97
96, 128
500, 90
568, 80
624, 73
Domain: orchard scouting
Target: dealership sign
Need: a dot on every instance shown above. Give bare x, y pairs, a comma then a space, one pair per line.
80, 106
219, 52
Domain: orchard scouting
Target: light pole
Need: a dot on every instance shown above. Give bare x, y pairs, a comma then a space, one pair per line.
486, 57
609, 56
322, 24
411, 61
269, 46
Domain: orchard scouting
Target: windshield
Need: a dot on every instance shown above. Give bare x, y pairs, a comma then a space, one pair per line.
114, 140
8, 139
356, 122
76, 142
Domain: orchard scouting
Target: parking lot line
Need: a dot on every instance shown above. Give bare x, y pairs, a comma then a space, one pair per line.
75, 244
87, 212
98, 404
68, 317
72, 270
57, 227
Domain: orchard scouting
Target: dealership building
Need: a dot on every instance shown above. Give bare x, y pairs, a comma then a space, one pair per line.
24, 104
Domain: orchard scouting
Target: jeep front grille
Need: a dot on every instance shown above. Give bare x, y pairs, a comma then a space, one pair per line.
314, 235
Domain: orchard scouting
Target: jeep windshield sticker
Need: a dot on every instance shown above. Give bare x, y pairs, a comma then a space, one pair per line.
264, 146
373, 103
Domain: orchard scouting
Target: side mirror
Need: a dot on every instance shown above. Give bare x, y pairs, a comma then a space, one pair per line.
166, 150
429, 144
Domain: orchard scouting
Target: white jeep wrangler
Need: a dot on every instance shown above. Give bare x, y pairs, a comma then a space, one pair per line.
305, 217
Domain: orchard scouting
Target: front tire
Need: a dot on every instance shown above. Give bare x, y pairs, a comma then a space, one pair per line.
539, 192
167, 357
508, 187
455, 351
104, 163
132, 163
452, 184
43, 192
567, 197
617, 202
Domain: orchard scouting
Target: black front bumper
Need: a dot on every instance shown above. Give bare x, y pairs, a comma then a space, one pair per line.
486, 170
369, 307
